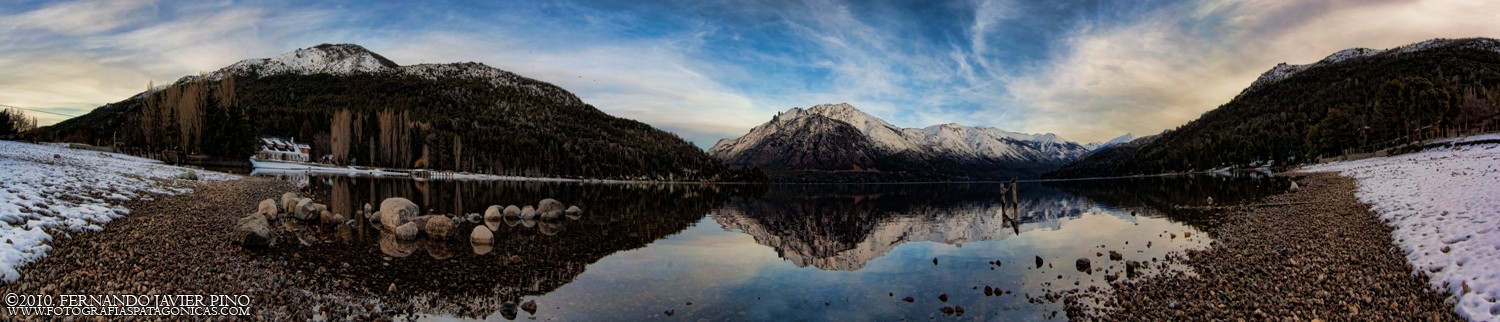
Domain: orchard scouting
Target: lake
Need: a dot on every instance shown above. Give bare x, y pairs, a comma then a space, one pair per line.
799, 252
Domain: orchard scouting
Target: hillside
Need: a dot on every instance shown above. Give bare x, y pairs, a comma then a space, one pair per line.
840, 143
1353, 100
357, 107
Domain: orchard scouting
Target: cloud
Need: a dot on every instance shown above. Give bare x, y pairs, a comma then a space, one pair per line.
1166, 68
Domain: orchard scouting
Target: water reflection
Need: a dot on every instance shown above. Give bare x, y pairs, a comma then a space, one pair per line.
806, 252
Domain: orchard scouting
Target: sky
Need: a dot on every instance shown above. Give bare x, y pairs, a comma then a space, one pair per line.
708, 70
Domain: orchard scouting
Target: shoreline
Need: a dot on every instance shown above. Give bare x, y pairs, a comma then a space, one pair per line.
1321, 255
184, 245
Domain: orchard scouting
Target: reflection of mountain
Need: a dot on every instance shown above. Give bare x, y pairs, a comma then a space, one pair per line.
450, 278
843, 230
1164, 194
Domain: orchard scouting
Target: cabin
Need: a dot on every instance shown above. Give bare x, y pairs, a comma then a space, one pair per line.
282, 149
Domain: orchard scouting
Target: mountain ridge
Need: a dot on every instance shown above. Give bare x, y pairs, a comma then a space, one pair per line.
357, 107
841, 139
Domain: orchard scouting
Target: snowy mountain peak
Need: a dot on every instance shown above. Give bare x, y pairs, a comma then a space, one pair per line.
1112, 142
951, 143
339, 59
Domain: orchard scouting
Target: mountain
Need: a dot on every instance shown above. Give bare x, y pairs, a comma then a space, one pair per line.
838, 142
1112, 142
357, 107
1354, 100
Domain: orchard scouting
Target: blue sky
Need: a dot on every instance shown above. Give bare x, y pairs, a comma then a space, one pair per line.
1086, 70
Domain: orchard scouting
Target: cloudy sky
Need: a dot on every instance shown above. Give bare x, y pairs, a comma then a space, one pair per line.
1086, 70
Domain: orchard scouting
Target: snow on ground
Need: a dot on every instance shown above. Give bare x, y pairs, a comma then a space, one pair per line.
1445, 206
46, 187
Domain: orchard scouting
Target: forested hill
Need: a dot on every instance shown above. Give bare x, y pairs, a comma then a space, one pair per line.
360, 108
1355, 98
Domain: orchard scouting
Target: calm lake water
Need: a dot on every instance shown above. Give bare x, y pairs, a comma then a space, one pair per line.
798, 252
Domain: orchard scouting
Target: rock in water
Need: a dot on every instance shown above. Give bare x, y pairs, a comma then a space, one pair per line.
254, 231
306, 210
439, 227
549, 208
1114, 256
512, 211
573, 212
481, 236
408, 231
529, 307
320, 207
1038, 262
492, 214
528, 213
289, 202
267, 208
1294, 188
394, 247
397, 211
1082, 264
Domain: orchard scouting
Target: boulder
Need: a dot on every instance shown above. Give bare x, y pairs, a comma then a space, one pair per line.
267, 208
395, 247
528, 213
480, 249
573, 212
549, 228
368, 210
1294, 188
320, 207
473, 218
1082, 264
549, 208
511, 211
1114, 256
253, 231
305, 209
408, 231
492, 214
397, 211
289, 202
481, 236
439, 227
334, 219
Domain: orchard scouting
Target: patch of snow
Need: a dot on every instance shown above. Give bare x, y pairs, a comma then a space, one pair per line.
47, 188
1444, 204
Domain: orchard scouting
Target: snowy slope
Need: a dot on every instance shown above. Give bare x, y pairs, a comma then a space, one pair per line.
1445, 206
1112, 142
944, 141
341, 59
46, 190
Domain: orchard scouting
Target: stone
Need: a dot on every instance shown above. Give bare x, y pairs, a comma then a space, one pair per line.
508, 310
943, 297
946, 310
573, 212
1114, 256
305, 210
1038, 262
511, 211
253, 231
408, 231
289, 202
1082, 264
439, 227
549, 208
908, 299
320, 207
397, 211
529, 307
267, 208
473, 218
549, 228
481, 236
439, 250
1294, 188
988, 291
481, 249
528, 213
493, 213
394, 247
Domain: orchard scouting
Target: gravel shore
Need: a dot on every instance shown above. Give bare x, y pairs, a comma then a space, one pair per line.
184, 244
1317, 254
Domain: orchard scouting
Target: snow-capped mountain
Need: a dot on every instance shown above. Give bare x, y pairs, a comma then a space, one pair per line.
840, 137
1112, 142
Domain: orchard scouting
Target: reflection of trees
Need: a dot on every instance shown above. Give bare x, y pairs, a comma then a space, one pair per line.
841, 227
452, 277
1164, 194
